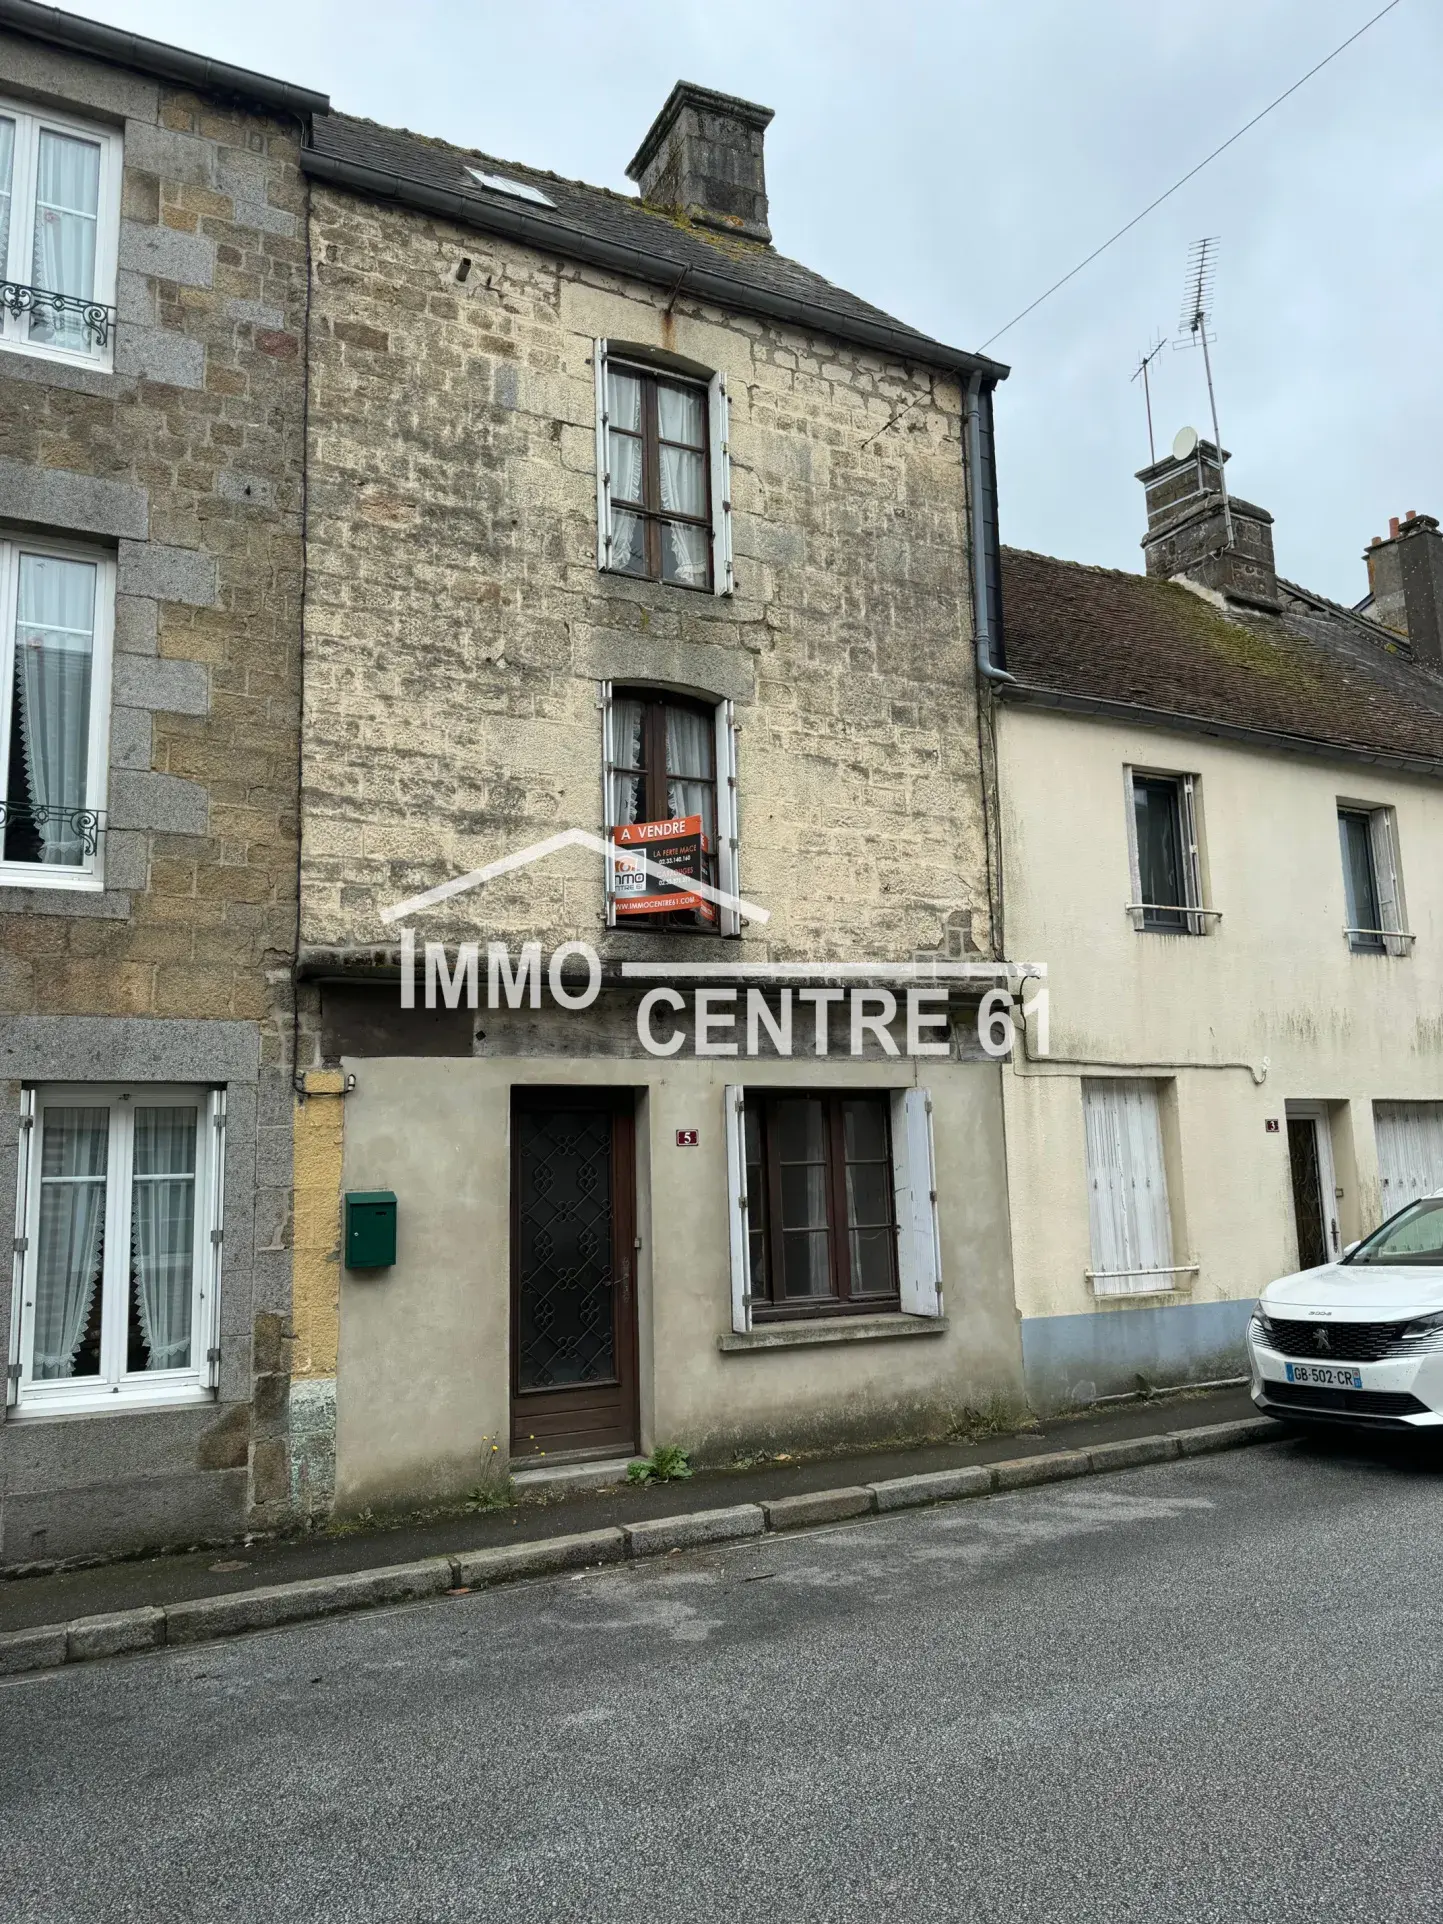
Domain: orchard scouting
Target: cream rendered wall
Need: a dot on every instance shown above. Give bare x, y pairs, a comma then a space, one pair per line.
423, 1382
1275, 980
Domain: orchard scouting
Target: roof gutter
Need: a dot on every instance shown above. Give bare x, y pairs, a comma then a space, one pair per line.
982, 522
1100, 708
557, 237
155, 57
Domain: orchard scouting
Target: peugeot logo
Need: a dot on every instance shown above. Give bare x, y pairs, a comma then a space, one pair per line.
1320, 1337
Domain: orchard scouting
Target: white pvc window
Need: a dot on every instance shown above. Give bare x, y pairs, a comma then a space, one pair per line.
663, 474
59, 235
56, 613
1130, 1220
1372, 881
117, 1261
1164, 854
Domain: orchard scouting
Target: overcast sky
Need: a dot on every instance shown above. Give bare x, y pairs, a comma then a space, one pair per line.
949, 161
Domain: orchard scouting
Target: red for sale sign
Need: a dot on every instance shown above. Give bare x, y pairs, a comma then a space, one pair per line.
678, 845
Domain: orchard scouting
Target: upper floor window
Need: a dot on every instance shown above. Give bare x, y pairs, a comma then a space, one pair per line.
119, 1248
663, 477
1167, 893
59, 234
670, 767
56, 605
1372, 885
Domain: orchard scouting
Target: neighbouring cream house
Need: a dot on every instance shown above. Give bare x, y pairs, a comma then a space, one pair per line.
1222, 829
622, 522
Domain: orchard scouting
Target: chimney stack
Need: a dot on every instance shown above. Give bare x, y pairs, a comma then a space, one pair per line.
1405, 582
703, 159
1187, 529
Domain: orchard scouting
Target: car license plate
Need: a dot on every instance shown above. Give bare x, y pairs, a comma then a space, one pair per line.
1325, 1376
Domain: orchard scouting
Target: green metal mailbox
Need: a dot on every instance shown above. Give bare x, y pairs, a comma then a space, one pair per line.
370, 1228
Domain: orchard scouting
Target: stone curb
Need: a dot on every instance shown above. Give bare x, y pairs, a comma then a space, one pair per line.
204, 1619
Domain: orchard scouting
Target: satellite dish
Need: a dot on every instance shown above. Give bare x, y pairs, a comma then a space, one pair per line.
1183, 443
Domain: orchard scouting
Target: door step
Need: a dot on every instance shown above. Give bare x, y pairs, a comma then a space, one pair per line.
558, 1478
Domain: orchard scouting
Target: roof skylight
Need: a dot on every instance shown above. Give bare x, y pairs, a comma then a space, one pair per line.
518, 189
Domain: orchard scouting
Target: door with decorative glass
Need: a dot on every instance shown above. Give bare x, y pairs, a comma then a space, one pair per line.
573, 1259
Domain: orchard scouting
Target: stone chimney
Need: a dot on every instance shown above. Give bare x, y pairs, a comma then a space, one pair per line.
703, 159
1187, 529
1405, 580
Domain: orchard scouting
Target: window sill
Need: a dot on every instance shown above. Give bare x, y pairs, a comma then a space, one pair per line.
36, 875
33, 1408
58, 356
831, 1329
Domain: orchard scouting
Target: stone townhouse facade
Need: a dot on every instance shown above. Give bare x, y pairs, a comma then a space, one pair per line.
1223, 828
152, 325
622, 526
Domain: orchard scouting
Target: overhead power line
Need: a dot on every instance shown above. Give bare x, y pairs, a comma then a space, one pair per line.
1207, 161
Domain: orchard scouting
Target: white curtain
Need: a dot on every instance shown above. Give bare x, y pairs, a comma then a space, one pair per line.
626, 781
7, 168
162, 1232
681, 417
54, 637
67, 204
75, 1143
624, 460
689, 788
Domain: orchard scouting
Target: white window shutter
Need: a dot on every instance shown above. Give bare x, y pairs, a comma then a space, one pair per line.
727, 831
22, 1252
603, 461
209, 1331
733, 1099
914, 1181
608, 787
721, 486
1192, 873
1131, 1222
1385, 874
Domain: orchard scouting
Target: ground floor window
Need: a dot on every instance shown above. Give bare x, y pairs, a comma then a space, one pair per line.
118, 1244
1129, 1212
833, 1204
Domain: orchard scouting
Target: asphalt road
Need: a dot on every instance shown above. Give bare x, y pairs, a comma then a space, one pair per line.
1202, 1691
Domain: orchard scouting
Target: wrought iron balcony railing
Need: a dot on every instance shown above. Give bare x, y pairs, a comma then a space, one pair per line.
86, 825
95, 317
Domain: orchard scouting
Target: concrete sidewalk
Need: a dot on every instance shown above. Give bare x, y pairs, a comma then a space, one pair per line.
65, 1595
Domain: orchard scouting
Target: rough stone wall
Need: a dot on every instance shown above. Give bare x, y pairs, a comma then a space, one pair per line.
185, 461
457, 622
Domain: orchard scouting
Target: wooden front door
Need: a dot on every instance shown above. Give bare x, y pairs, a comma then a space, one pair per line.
573, 1262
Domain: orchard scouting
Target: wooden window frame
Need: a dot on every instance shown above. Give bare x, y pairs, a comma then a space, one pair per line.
655, 703
766, 1305
649, 509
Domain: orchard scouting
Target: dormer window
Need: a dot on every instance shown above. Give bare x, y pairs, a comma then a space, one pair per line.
663, 477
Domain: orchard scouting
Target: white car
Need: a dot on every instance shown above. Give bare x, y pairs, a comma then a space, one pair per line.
1358, 1341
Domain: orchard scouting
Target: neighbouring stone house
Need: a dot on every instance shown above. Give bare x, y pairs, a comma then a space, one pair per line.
623, 526
152, 316
1222, 826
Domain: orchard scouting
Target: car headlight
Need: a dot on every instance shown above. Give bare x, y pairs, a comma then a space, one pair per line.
1420, 1327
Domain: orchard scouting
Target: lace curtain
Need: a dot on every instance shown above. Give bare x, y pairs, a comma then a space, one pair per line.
689, 788
624, 445
625, 774
7, 169
54, 637
72, 1225
162, 1232
67, 206
680, 417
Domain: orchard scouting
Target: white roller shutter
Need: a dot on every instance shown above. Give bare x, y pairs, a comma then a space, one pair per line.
734, 1111
914, 1179
1410, 1151
1126, 1187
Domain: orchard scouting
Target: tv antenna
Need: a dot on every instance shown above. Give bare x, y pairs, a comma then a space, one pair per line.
1202, 261
1141, 370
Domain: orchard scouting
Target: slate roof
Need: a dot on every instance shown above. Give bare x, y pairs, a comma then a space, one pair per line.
1316, 672
587, 218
